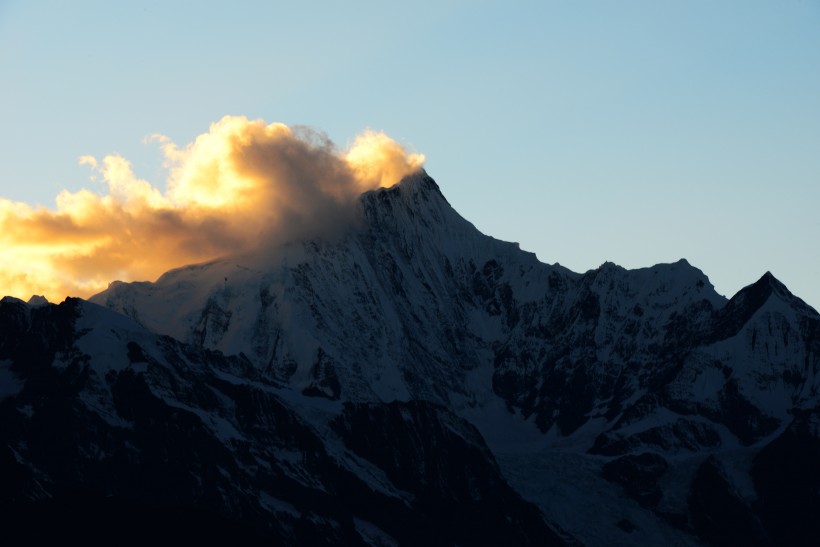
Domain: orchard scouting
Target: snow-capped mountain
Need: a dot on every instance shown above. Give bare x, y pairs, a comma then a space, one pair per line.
459, 388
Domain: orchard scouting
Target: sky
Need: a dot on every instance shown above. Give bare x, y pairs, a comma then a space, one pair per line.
587, 131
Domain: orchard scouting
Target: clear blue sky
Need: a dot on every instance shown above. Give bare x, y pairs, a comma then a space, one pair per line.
634, 132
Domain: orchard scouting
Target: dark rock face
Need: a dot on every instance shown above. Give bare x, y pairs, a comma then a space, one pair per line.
682, 434
638, 475
102, 519
786, 476
717, 514
457, 486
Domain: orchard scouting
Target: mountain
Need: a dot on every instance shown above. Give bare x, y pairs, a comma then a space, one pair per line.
411, 380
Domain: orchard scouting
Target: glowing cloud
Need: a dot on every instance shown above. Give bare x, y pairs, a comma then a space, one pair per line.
242, 185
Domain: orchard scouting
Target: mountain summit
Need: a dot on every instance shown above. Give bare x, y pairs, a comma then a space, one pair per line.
352, 317
463, 391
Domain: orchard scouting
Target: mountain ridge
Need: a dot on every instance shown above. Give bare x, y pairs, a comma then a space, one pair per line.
643, 386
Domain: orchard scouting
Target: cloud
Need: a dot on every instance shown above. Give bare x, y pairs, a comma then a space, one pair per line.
241, 186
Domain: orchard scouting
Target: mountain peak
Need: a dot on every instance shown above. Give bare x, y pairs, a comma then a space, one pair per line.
743, 305
767, 285
416, 184
419, 181
777, 287
37, 300
770, 279
415, 203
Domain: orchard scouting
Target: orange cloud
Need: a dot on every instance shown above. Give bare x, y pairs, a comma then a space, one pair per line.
242, 184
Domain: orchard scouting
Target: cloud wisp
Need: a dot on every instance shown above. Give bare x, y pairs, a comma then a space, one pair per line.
241, 186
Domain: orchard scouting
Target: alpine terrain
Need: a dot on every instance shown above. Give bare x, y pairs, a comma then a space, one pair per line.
413, 381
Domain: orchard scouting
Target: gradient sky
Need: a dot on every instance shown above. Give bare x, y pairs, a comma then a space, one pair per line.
631, 132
